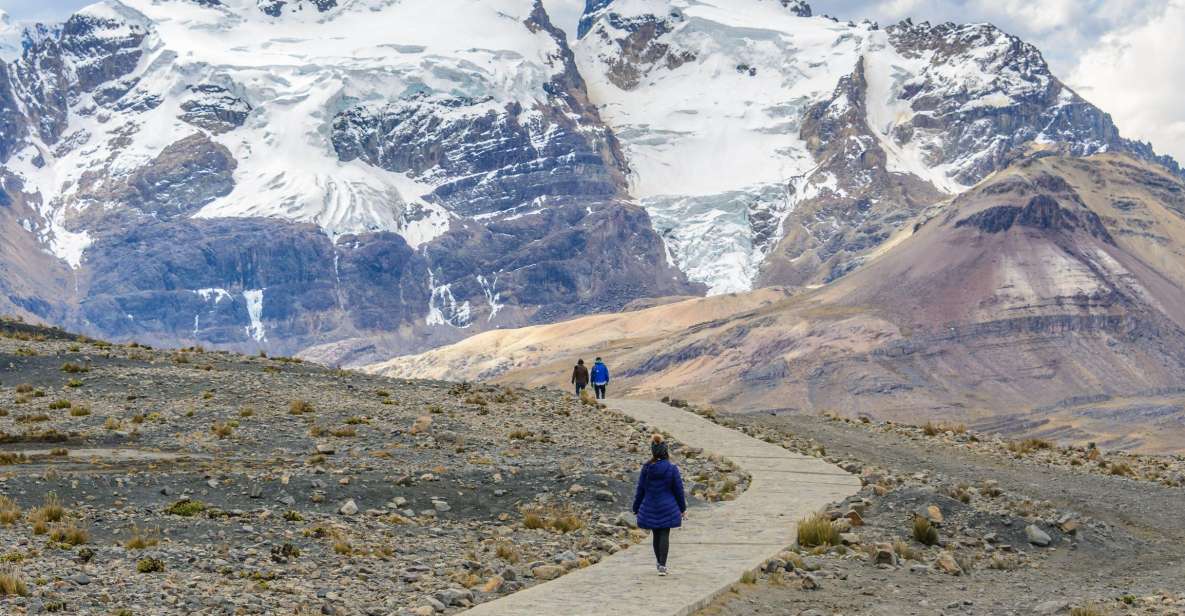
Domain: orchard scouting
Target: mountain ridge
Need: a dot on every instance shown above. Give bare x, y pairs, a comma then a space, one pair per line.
352, 197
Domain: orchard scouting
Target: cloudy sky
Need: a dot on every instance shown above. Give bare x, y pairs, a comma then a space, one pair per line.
1126, 56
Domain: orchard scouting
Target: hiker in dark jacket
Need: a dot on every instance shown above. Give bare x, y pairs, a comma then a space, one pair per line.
659, 502
580, 376
600, 378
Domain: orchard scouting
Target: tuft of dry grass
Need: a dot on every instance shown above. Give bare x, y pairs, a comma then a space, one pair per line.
1029, 445
79, 410
560, 519
507, 552
905, 551
816, 530
422, 424
924, 532
11, 584
69, 534
299, 407
10, 512
1089, 610
344, 432
1121, 469
222, 430
140, 539
51, 509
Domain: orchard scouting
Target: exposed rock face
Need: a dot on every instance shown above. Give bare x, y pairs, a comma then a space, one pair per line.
441, 213
214, 108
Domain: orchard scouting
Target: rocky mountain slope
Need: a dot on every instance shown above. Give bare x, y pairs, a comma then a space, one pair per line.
1045, 301
355, 179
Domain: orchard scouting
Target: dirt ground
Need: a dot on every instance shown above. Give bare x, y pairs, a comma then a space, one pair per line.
1128, 556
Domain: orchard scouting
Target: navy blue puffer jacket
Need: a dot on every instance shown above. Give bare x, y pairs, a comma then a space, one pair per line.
659, 500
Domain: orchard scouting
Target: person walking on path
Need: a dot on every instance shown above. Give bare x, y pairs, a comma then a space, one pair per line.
659, 502
600, 378
580, 376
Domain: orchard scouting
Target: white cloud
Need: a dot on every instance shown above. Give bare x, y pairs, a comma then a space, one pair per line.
1135, 73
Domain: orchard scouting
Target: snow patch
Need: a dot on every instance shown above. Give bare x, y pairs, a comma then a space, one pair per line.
443, 308
254, 299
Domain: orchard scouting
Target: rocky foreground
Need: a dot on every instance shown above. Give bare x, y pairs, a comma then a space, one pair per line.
141, 481
954, 522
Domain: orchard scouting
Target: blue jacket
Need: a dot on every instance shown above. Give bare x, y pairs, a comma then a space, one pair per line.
659, 501
600, 374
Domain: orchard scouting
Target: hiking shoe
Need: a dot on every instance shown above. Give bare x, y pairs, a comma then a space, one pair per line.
662, 570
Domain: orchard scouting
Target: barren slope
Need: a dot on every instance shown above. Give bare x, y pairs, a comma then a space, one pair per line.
1054, 284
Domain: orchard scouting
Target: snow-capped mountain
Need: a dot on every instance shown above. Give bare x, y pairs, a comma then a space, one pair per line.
715, 103
284, 173
373, 177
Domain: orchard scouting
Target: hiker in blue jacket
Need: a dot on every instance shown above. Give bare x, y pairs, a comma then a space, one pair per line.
659, 502
600, 378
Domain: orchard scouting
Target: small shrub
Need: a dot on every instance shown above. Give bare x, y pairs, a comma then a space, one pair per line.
221, 430
111, 423
533, 521
24, 388
924, 532
817, 530
749, 577
60, 404
343, 547
344, 432
79, 410
246, 411
930, 429
150, 565
186, 508
1088, 610
299, 407
74, 383
59, 452
71, 368
293, 516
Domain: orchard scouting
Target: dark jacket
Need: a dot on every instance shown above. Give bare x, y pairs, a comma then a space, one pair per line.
600, 374
580, 375
659, 500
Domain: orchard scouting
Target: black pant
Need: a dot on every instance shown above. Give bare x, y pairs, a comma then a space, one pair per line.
662, 544
580, 387
600, 390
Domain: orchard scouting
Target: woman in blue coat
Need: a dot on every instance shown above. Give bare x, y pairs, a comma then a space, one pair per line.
659, 502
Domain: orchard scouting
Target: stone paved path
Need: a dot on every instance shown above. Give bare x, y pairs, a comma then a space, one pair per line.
716, 545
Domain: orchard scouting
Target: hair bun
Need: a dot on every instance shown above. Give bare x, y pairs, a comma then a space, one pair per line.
656, 438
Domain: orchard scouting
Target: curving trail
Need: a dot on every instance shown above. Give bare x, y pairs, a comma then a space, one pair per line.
717, 544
